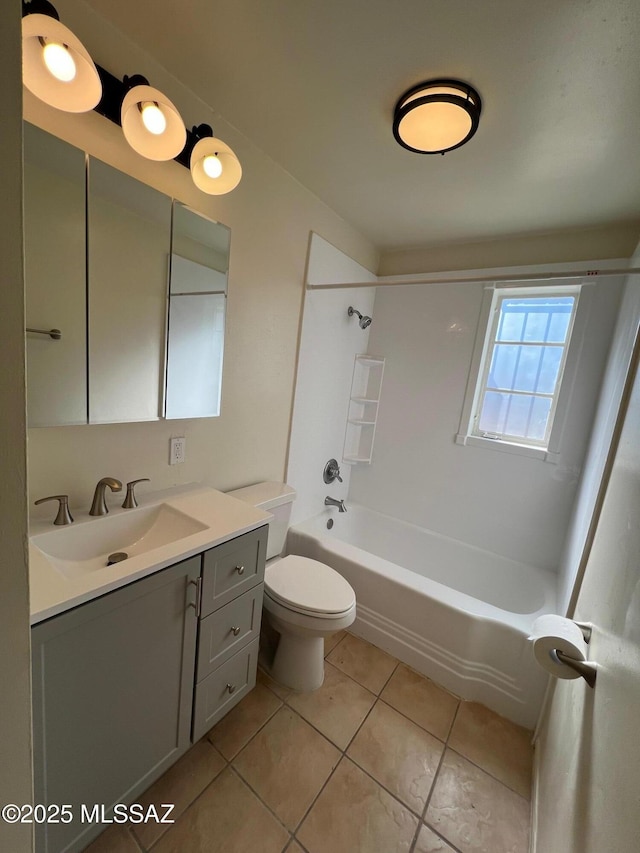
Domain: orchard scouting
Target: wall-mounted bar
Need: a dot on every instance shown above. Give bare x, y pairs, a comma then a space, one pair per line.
584, 668
587, 630
54, 334
512, 279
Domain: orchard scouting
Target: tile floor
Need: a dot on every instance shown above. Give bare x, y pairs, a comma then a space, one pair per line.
379, 760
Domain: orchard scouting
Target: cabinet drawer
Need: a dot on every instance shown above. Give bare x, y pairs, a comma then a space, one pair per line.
221, 690
233, 568
227, 630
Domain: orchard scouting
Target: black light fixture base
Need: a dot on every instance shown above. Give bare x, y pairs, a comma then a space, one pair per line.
39, 7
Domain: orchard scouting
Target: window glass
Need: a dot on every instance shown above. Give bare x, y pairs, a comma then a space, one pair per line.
523, 364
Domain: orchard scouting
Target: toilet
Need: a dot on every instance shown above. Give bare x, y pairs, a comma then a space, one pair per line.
304, 600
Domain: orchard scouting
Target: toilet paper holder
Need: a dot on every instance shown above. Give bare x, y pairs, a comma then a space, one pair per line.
586, 628
586, 669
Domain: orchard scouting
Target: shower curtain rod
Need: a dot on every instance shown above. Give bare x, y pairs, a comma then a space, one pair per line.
517, 279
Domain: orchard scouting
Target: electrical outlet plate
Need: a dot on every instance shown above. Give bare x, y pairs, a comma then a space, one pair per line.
177, 450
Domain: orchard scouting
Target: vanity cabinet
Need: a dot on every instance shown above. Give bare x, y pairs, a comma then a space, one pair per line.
133, 284
112, 698
229, 630
123, 685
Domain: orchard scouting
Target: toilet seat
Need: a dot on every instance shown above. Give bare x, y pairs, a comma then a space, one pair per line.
308, 587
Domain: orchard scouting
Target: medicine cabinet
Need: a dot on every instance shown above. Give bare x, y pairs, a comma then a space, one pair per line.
197, 300
55, 275
125, 293
129, 241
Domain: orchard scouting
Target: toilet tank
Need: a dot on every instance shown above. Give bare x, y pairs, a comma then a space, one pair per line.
276, 498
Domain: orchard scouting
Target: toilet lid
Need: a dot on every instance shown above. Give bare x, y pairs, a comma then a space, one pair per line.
304, 584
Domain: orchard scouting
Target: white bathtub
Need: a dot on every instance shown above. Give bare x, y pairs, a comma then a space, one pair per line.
454, 612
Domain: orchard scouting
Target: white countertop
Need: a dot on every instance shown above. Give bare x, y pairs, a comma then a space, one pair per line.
222, 516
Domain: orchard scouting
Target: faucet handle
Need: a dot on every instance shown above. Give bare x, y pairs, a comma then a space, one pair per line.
130, 501
63, 516
331, 472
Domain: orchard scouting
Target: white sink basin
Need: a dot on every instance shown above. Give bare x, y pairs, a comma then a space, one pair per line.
77, 550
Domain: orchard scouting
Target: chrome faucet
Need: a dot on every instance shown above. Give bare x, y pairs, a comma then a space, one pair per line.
99, 505
333, 502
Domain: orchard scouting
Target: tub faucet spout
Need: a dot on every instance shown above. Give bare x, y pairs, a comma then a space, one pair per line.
333, 502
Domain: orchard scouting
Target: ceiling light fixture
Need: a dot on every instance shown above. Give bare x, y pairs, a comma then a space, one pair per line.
58, 70
56, 67
150, 122
215, 169
436, 116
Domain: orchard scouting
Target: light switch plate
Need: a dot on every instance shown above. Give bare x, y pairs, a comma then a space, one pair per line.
177, 450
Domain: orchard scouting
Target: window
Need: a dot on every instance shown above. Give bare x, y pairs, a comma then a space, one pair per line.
522, 364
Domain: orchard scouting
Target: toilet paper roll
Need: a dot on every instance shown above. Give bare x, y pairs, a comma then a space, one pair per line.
551, 632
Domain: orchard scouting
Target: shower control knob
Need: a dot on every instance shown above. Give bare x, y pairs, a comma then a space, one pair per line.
331, 472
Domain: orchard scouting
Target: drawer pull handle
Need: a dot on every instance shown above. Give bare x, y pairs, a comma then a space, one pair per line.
231, 688
240, 570
235, 631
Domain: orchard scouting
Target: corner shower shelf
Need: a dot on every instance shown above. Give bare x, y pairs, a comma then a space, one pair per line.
366, 386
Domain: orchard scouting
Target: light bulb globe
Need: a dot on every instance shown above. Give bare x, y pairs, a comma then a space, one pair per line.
59, 62
56, 66
212, 166
153, 119
151, 123
211, 153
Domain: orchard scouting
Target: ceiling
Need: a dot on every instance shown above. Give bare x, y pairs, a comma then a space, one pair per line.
314, 82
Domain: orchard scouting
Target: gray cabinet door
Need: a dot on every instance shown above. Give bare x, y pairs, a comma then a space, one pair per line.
112, 697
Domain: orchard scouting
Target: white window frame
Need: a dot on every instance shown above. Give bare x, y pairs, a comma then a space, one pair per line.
548, 450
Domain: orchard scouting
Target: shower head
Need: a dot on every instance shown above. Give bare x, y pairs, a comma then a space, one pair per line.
363, 322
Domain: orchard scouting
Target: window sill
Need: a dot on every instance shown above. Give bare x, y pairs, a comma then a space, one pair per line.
541, 453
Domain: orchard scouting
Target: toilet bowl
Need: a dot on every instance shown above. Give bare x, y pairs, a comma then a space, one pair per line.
304, 600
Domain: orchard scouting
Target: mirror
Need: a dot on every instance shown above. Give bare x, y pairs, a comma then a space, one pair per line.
197, 301
129, 242
98, 253
55, 276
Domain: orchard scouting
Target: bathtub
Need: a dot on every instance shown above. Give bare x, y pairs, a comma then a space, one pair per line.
458, 614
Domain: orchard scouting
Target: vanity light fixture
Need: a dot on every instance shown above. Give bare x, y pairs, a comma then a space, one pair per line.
215, 169
150, 122
436, 116
56, 67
